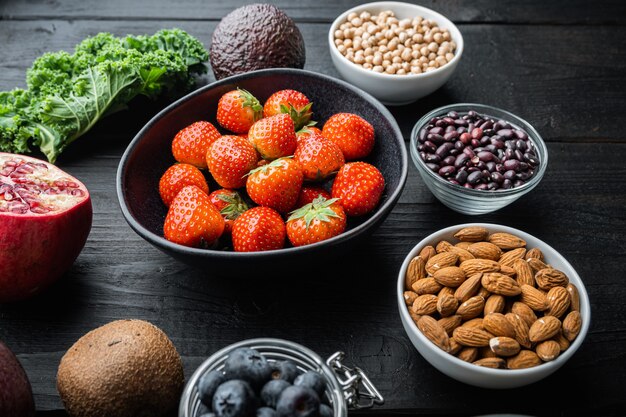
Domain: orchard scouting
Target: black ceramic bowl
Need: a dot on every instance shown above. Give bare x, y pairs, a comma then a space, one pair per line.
149, 155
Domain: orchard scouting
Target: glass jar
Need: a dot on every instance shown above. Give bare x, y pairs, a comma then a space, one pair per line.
346, 388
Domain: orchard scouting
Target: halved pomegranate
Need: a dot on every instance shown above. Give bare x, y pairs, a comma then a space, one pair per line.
45, 218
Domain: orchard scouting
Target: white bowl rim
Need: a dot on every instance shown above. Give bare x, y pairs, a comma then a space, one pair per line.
548, 367
454, 32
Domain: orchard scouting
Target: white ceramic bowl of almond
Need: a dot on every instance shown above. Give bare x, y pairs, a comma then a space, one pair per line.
479, 327
398, 52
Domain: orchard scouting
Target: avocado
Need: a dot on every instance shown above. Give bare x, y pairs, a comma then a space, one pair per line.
126, 368
16, 395
254, 37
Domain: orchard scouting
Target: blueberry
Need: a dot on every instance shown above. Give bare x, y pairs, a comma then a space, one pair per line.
298, 401
249, 365
286, 370
313, 380
326, 411
272, 390
234, 398
265, 412
208, 384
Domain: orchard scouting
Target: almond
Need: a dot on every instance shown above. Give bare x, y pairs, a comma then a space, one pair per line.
415, 317
468, 354
468, 288
425, 304
574, 297
455, 346
464, 254
427, 252
524, 272
441, 260
485, 250
507, 270
498, 325
548, 350
496, 363
450, 276
447, 305
562, 341
486, 352
476, 323
504, 346
471, 336
471, 308
446, 291
443, 246
525, 312
472, 234
474, 266
549, 278
534, 253
409, 297
544, 328
463, 245
415, 271
524, 359
536, 264
507, 258
558, 301
521, 329
451, 323
426, 286
571, 325
434, 332
534, 298
506, 241
494, 304
482, 291
498, 283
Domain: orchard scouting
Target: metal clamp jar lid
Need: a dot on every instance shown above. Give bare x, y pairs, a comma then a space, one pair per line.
347, 388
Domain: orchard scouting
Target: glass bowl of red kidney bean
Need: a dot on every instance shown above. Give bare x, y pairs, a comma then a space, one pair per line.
475, 158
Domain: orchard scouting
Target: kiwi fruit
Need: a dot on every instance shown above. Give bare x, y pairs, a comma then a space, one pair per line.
126, 368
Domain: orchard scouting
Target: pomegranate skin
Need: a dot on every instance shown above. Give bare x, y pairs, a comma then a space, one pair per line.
36, 250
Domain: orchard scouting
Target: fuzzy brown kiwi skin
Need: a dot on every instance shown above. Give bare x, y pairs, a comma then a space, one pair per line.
126, 368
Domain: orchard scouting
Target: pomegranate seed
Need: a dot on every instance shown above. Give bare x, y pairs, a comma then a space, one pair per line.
8, 196
78, 193
18, 207
40, 210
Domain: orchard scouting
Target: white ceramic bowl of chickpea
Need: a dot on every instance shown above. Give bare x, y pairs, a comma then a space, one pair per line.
481, 376
398, 52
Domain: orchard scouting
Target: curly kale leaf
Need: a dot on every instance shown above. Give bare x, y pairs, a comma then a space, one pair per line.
69, 93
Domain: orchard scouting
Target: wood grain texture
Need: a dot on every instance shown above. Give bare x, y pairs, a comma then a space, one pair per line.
554, 77
567, 80
477, 11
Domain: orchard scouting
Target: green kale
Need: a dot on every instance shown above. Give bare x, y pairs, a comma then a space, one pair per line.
68, 94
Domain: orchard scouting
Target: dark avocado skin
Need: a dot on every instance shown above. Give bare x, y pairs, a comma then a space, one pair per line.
254, 37
16, 396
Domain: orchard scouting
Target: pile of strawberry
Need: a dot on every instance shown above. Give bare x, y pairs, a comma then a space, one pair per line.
286, 166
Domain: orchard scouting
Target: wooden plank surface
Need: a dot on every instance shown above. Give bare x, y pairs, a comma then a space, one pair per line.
555, 77
559, 65
508, 11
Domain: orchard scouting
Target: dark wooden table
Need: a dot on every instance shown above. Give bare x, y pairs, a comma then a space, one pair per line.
560, 65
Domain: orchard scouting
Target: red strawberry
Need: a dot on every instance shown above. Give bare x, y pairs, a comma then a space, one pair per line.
276, 184
290, 102
230, 205
307, 131
316, 221
192, 219
191, 143
308, 194
258, 229
177, 177
230, 159
273, 137
318, 157
358, 186
353, 134
237, 110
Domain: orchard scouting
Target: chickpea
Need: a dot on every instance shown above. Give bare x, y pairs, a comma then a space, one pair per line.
433, 46
365, 15
378, 59
370, 58
396, 60
378, 68
347, 42
367, 65
341, 48
338, 35
438, 37
358, 59
406, 55
449, 56
390, 70
352, 16
428, 37
416, 70
386, 63
441, 60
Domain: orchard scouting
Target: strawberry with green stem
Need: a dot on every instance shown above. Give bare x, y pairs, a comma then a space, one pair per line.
319, 220
290, 102
238, 110
230, 159
230, 204
319, 158
276, 185
273, 137
309, 193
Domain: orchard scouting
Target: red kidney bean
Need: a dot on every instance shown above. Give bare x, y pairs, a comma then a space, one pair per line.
509, 175
474, 177
436, 131
492, 186
509, 153
447, 171
449, 129
460, 122
469, 152
519, 155
436, 138
491, 148
506, 133
497, 177
497, 142
485, 156
448, 120
423, 155
523, 166
487, 125
485, 141
481, 165
430, 147
465, 138
453, 114
531, 159
443, 149
451, 135
521, 134
448, 160
461, 160
459, 145
491, 166
432, 167
454, 152
477, 133
506, 184
423, 134
480, 187
440, 123
431, 157
520, 144
523, 175
461, 177
518, 183
486, 173
475, 143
